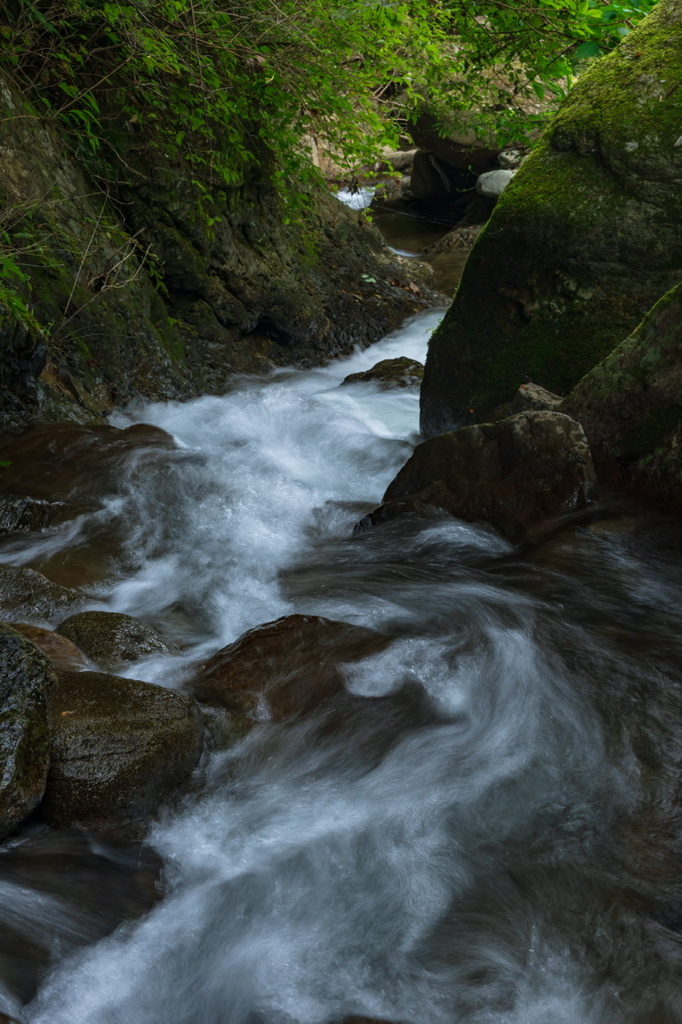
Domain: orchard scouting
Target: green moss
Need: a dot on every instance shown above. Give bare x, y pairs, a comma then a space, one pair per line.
581, 243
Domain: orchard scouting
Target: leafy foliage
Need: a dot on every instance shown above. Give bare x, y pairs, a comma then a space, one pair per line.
236, 88
224, 82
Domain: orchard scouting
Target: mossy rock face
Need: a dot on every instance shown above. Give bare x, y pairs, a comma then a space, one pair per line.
235, 289
120, 748
581, 244
27, 681
630, 406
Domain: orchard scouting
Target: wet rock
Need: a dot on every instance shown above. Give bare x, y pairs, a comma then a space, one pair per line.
533, 397
26, 515
62, 653
26, 594
112, 639
514, 474
27, 682
284, 668
429, 503
580, 245
66, 462
390, 373
120, 748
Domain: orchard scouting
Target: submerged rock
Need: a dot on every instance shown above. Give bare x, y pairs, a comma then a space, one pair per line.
27, 594
61, 652
120, 748
27, 682
581, 244
112, 639
97, 886
515, 474
390, 373
284, 668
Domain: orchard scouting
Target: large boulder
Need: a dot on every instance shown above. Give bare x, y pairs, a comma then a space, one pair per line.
27, 682
112, 639
284, 668
515, 474
120, 748
582, 242
27, 594
630, 406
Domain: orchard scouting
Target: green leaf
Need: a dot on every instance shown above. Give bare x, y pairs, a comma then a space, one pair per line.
588, 49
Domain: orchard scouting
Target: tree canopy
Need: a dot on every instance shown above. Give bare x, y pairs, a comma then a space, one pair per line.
222, 81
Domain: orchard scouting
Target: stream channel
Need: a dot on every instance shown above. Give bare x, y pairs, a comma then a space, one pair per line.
503, 847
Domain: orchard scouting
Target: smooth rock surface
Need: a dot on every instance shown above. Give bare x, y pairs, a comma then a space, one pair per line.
284, 668
62, 653
120, 748
514, 474
493, 183
27, 681
112, 639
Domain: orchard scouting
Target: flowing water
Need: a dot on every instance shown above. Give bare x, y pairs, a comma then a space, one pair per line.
502, 849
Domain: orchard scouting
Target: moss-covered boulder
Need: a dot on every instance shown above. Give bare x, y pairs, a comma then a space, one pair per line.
112, 639
630, 406
581, 244
120, 748
26, 685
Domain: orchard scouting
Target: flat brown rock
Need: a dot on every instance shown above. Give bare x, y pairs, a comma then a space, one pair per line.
284, 668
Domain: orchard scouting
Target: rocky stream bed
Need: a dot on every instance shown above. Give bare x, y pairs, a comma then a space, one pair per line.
305, 760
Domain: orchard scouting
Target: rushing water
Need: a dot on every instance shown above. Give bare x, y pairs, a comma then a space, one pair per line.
503, 849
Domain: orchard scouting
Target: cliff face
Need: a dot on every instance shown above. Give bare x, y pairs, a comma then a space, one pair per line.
163, 286
582, 243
